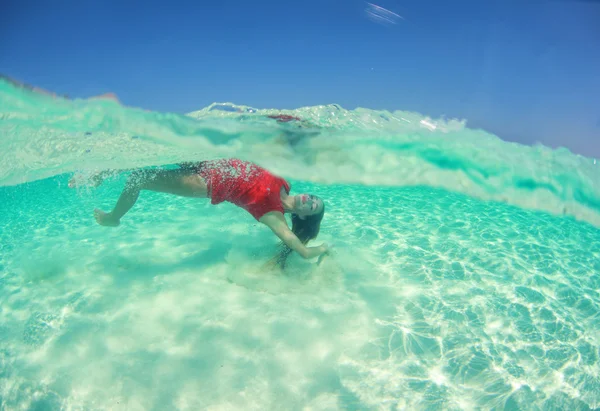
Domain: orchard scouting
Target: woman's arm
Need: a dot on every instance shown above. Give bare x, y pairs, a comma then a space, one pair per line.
276, 222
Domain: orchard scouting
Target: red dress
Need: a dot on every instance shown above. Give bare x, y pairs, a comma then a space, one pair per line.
244, 184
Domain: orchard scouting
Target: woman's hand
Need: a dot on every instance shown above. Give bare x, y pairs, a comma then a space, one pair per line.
326, 251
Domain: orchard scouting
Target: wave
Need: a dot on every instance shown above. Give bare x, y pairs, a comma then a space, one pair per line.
43, 136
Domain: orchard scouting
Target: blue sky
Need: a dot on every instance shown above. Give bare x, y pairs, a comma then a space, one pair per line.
527, 71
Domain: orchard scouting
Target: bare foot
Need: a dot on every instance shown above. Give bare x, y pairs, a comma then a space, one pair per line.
73, 182
97, 179
105, 219
94, 180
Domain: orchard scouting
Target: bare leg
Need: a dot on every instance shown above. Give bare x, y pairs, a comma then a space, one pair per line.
98, 178
95, 179
185, 183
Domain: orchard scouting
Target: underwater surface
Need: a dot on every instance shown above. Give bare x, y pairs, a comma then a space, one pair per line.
464, 276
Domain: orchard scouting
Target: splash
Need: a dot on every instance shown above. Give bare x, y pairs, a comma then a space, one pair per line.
44, 136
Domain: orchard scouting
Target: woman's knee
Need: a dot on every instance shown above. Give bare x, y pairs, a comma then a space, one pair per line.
138, 179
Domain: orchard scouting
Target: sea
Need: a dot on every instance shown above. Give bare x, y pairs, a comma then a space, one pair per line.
464, 271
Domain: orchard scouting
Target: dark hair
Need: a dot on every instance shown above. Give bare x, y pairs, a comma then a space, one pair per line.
305, 229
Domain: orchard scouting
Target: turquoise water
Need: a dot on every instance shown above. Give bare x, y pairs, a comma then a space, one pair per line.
465, 274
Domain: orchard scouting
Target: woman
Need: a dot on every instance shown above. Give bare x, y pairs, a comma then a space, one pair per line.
264, 195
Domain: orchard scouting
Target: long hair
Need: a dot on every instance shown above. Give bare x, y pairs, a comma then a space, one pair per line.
305, 229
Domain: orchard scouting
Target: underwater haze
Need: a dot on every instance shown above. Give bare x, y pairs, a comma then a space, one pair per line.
465, 274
